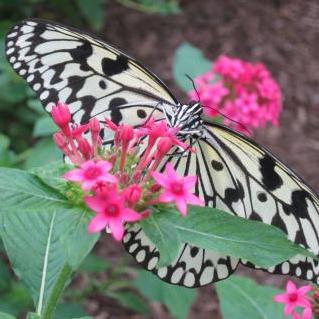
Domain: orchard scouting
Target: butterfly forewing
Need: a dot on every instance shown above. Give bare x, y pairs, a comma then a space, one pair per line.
93, 78
234, 174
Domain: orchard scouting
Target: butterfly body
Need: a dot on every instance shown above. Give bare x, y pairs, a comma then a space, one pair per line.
234, 173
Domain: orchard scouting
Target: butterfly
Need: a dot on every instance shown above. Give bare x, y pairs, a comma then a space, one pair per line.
234, 173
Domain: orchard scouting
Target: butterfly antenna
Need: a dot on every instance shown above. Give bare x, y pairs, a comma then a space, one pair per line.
227, 117
194, 86
154, 108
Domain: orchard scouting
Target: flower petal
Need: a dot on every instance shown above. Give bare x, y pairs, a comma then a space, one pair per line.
304, 289
131, 215
97, 223
170, 172
194, 200
289, 308
181, 205
104, 165
166, 197
291, 287
95, 203
160, 179
117, 229
189, 181
283, 298
75, 175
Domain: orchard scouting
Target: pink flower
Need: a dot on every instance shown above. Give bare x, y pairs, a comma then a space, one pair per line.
132, 194
243, 92
61, 116
294, 297
306, 314
111, 212
90, 173
176, 189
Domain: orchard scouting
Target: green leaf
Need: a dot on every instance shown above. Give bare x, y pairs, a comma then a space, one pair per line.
130, 301
188, 60
44, 126
43, 153
16, 299
35, 105
45, 239
69, 310
164, 7
93, 12
163, 237
219, 231
93, 264
242, 298
7, 157
178, 300
6, 316
32, 315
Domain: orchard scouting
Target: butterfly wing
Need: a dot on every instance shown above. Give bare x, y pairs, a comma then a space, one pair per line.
93, 78
239, 176
249, 181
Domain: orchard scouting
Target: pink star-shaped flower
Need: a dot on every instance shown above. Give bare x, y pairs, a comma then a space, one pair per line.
111, 212
294, 297
90, 173
176, 189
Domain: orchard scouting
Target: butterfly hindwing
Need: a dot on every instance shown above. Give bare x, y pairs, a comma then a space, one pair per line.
258, 186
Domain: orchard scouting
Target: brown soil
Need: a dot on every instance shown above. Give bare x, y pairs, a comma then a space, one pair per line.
282, 34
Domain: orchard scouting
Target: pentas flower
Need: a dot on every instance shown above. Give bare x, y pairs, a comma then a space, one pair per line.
90, 173
295, 297
176, 189
244, 92
114, 182
111, 212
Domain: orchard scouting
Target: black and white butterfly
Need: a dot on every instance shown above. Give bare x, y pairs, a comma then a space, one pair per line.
235, 174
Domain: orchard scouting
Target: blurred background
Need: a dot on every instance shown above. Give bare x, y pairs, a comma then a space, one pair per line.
281, 34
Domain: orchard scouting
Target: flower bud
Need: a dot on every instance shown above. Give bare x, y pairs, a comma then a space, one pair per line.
132, 194
61, 116
60, 140
85, 148
94, 125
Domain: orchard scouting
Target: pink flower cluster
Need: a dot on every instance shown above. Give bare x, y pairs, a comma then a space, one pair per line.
116, 184
296, 297
245, 93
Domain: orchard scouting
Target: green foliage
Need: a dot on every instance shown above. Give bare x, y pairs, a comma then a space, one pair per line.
131, 301
178, 300
242, 298
6, 316
44, 259
165, 7
190, 61
69, 310
219, 231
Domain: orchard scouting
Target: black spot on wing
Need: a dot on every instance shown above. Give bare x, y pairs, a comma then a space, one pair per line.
218, 166
262, 197
194, 251
111, 67
116, 115
81, 54
88, 103
234, 194
299, 203
298, 206
270, 177
141, 114
102, 84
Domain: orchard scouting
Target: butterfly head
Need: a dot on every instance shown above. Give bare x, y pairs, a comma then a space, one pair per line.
187, 118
